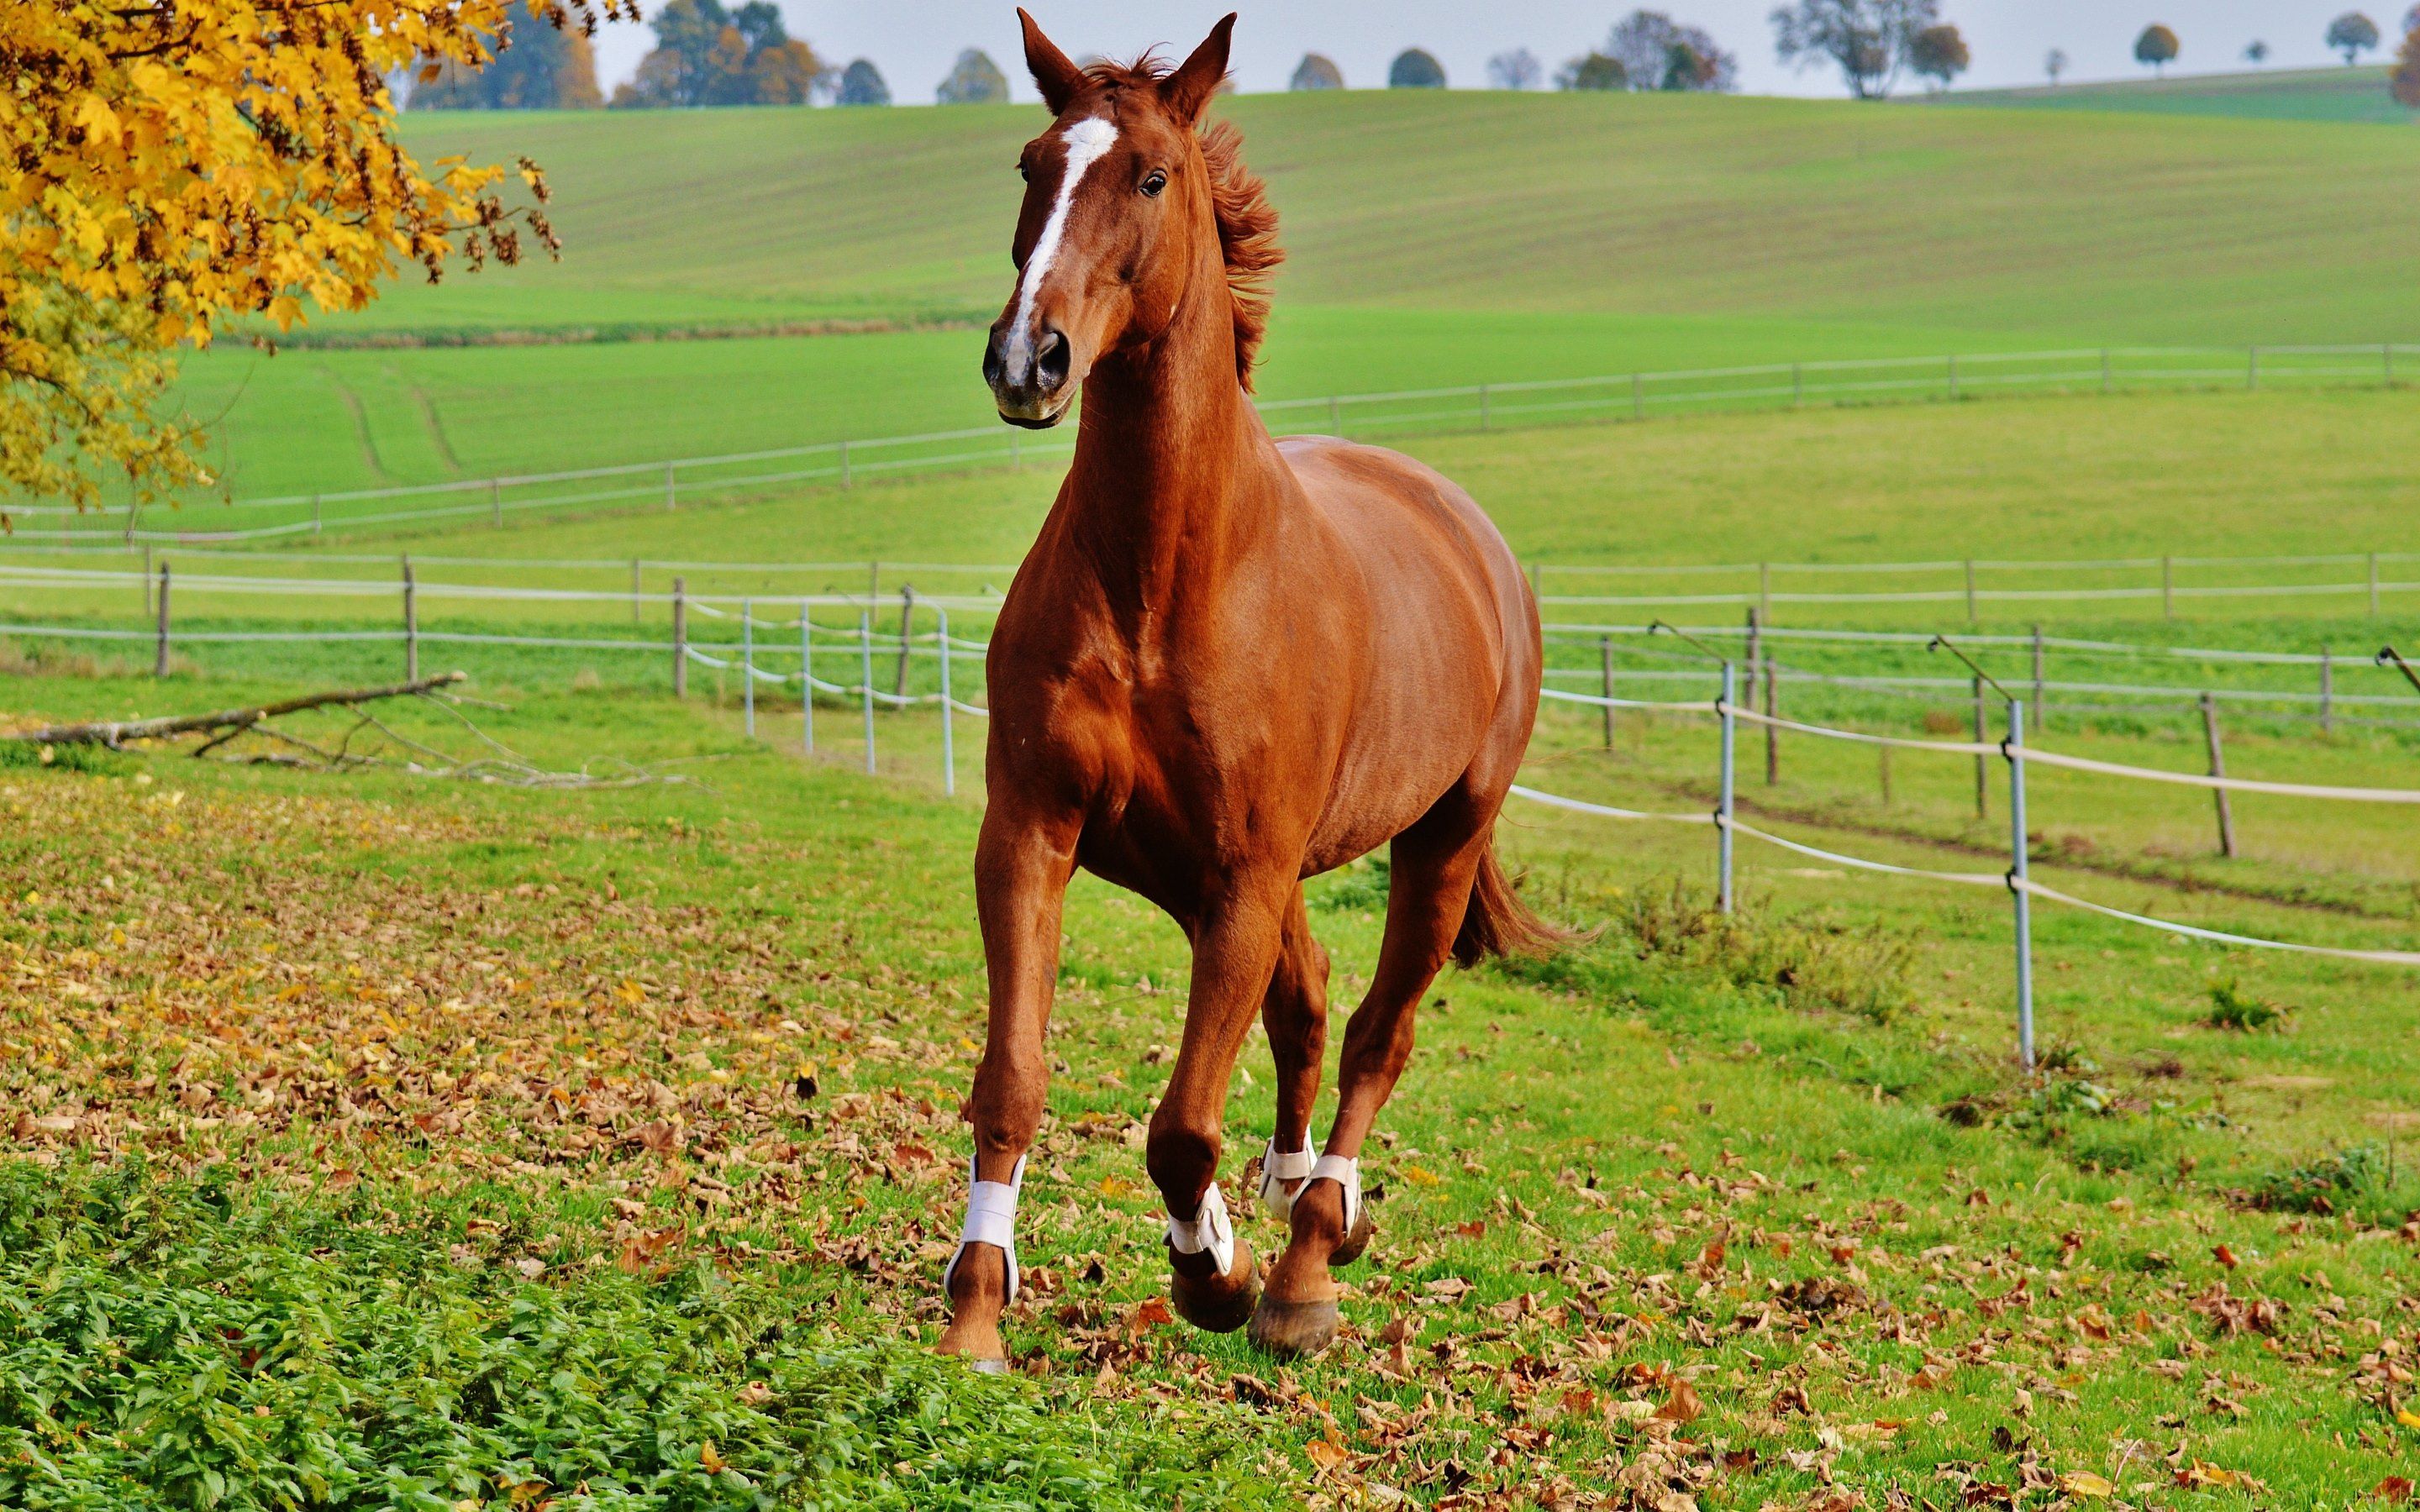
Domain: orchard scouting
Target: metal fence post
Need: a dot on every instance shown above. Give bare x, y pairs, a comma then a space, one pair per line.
806, 678
2218, 769
315, 514
680, 637
1953, 374
1723, 809
671, 495
1637, 397
160, 653
2018, 876
748, 665
410, 625
1604, 653
496, 500
634, 590
843, 465
865, 669
2104, 370
2168, 587
949, 745
1797, 385
1970, 590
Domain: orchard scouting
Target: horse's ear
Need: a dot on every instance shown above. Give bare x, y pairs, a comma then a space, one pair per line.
1190, 88
1058, 80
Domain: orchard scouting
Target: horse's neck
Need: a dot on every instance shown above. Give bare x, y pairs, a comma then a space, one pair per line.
1167, 489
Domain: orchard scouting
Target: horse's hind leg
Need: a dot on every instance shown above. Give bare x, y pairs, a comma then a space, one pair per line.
1295, 1015
1432, 866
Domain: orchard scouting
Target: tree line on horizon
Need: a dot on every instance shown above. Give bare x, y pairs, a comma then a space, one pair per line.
708, 53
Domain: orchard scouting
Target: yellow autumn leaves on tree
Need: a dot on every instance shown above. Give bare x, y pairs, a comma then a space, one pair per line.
177, 163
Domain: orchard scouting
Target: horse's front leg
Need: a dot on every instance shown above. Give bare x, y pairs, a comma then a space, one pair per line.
1022, 864
1236, 943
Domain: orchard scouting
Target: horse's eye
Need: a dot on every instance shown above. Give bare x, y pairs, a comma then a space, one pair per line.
1152, 183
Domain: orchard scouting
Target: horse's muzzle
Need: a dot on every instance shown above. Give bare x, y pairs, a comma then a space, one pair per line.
1028, 378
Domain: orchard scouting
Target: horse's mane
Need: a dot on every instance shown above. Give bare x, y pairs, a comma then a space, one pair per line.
1247, 223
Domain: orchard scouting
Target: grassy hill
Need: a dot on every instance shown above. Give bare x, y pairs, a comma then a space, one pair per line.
2358, 95
1451, 238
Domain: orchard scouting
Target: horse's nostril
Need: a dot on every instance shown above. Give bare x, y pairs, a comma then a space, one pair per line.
994, 365
1050, 360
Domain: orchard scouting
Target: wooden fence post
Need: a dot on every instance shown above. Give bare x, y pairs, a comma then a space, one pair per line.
410, 625
1982, 762
2327, 692
1772, 710
1605, 655
907, 612
2042, 719
680, 637
159, 653
1755, 650
2218, 769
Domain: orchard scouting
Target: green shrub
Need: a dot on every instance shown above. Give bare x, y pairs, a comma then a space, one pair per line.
2324, 1184
1813, 964
165, 1345
2232, 1007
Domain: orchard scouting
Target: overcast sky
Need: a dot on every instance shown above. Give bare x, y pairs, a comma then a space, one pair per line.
913, 41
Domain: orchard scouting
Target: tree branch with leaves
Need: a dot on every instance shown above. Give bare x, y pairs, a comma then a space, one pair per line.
176, 165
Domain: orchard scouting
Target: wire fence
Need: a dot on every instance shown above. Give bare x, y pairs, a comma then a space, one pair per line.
675, 483
2017, 879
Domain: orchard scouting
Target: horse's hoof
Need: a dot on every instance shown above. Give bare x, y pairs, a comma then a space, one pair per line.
1218, 1303
1291, 1329
1356, 1241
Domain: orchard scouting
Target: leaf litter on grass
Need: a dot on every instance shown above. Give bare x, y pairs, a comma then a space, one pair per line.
566, 1080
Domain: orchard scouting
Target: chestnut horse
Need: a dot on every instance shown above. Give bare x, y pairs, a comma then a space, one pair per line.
1228, 664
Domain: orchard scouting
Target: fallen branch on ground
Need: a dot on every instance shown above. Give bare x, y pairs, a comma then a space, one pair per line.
113, 733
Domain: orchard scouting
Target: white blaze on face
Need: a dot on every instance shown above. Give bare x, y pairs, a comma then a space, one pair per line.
1086, 142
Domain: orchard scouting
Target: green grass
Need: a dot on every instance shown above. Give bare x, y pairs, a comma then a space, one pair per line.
2050, 478
644, 1100
1459, 239
2355, 94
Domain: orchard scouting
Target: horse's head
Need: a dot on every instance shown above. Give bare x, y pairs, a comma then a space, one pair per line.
1118, 222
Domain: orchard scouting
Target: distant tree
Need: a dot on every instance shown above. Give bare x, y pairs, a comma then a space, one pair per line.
2412, 21
2352, 34
1869, 41
2255, 52
1516, 70
1938, 54
537, 66
2406, 79
706, 54
974, 80
1317, 72
1592, 71
1416, 69
2157, 47
1642, 43
2055, 65
861, 84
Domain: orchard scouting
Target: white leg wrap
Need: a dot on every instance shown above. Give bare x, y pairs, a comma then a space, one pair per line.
1344, 1173
1278, 1167
991, 1219
1208, 1229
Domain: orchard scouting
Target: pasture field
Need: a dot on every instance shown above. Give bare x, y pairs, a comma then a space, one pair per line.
2050, 478
2331, 94
619, 1127
1469, 237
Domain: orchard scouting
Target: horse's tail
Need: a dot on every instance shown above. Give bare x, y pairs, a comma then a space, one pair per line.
1497, 923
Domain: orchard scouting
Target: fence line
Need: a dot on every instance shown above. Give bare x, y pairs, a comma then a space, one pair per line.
2021, 888
1483, 405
